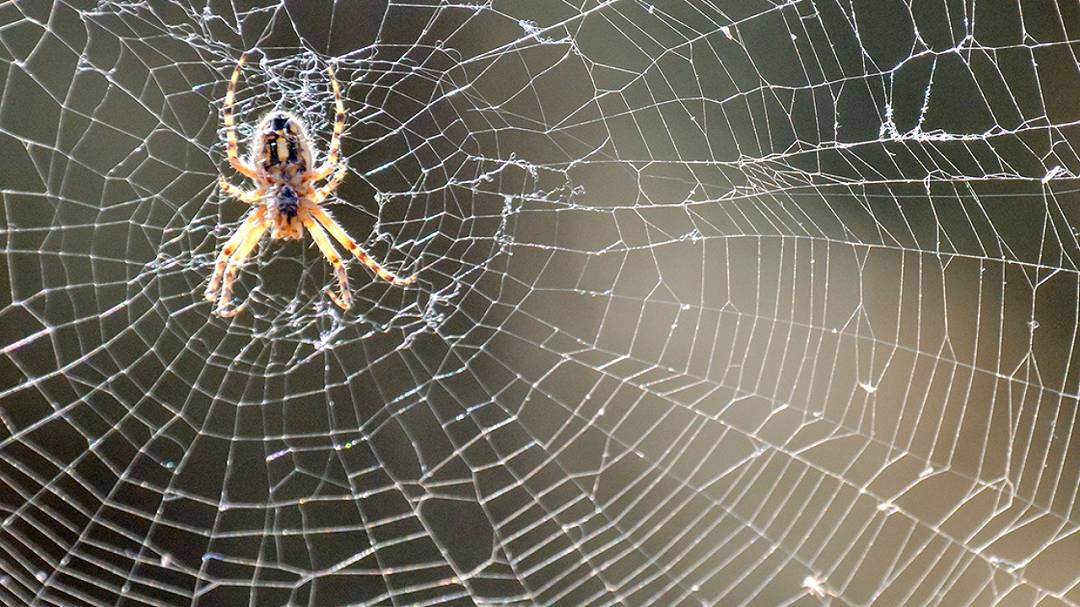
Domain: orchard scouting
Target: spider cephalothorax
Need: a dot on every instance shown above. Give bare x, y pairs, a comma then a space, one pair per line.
284, 207
285, 199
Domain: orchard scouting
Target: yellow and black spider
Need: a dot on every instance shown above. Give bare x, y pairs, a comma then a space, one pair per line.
285, 199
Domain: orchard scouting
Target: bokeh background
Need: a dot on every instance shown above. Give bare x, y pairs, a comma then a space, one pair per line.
724, 303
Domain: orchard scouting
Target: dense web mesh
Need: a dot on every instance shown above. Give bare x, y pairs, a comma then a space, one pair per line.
720, 303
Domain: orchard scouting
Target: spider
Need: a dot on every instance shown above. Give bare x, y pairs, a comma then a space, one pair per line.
285, 199
815, 587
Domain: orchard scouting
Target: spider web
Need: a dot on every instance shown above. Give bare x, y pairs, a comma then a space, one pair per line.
720, 303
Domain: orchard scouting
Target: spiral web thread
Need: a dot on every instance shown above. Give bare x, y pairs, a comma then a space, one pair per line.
720, 303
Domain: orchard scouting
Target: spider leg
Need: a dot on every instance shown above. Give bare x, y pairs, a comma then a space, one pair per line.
246, 196
252, 220
350, 245
327, 249
334, 151
230, 124
321, 193
242, 252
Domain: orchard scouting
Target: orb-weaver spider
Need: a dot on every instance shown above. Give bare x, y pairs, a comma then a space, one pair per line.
285, 199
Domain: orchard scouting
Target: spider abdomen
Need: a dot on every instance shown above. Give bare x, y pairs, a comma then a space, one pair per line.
282, 148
